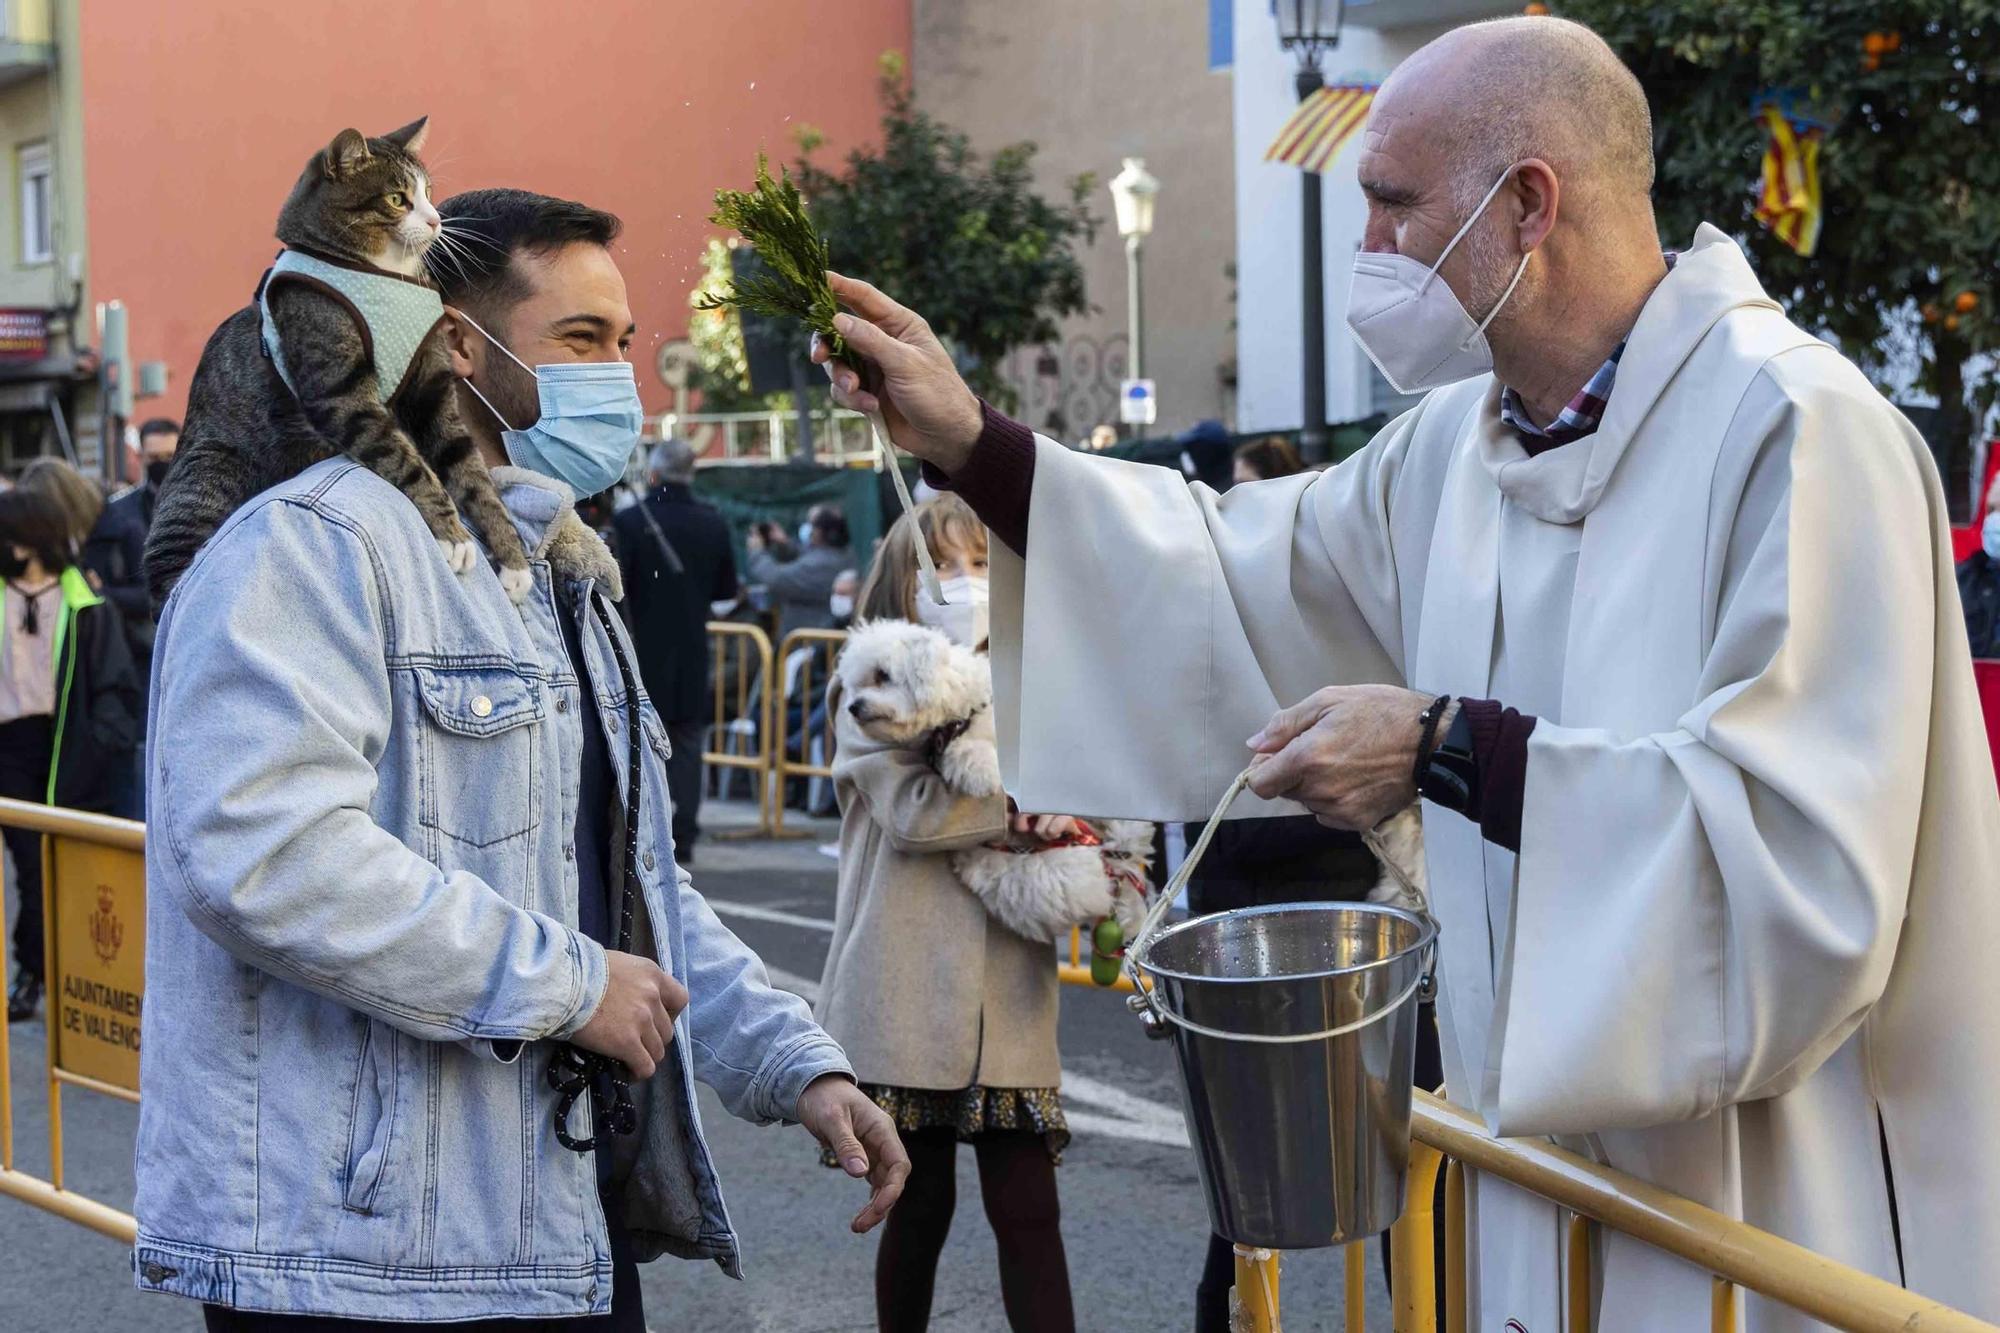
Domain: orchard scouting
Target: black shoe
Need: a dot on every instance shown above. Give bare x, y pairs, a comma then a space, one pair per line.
25, 999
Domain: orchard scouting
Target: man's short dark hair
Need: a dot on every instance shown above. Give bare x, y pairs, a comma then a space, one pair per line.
830, 524
33, 518
158, 426
472, 261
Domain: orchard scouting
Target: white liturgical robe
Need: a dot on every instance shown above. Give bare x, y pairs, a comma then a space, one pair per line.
1748, 947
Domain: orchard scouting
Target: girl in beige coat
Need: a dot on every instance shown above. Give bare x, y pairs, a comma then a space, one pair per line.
948, 1018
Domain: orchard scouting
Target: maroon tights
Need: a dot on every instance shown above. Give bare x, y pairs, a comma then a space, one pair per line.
1017, 1183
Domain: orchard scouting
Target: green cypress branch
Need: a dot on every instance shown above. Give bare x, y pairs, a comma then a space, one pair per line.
792, 252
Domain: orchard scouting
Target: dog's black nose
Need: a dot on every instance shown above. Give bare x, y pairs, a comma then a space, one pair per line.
855, 709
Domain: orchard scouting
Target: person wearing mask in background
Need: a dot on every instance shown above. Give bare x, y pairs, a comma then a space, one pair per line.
69, 702
677, 561
1979, 582
800, 579
416, 837
1261, 460
949, 1016
841, 605
106, 553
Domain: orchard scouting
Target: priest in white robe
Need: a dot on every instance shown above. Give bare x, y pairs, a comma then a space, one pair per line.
1652, 600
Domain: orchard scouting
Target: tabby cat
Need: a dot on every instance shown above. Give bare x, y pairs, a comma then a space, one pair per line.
342, 352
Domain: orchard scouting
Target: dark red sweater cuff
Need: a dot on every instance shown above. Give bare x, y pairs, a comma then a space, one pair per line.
998, 479
1500, 746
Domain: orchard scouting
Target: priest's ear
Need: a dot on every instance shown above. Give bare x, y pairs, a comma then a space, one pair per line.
1537, 194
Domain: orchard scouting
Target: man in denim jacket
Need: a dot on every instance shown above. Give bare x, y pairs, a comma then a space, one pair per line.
388, 838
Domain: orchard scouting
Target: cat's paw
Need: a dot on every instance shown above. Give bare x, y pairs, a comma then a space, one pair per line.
461, 556
516, 583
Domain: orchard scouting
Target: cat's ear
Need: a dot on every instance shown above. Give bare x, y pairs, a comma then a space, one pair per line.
346, 153
411, 137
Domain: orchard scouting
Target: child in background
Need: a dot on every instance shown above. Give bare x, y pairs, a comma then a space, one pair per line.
948, 1017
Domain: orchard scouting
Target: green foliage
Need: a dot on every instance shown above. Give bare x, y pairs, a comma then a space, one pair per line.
790, 281
967, 241
722, 372
1909, 178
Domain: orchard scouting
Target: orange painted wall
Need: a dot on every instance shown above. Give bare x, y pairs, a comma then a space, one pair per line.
199, 114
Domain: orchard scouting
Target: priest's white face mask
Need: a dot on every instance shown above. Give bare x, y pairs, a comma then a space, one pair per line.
1412, 324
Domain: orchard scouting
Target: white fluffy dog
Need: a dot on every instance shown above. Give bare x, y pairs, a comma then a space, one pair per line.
906, 684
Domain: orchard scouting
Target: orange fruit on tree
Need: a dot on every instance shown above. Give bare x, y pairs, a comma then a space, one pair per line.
1930, 313
1894, 41
1874, 43
1871, 63
1966, 303
1951, 323
1535, 9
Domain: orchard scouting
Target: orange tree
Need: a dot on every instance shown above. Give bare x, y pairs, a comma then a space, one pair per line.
1909, 175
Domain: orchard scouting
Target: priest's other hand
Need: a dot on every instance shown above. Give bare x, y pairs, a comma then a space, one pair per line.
918, 392
1347, 753
862, 1139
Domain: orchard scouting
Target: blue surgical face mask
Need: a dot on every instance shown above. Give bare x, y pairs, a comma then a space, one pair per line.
589, 425
1989, 536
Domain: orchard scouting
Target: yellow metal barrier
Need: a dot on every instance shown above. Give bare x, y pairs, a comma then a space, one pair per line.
94, 947
1734, 1253
742, 709
815, 643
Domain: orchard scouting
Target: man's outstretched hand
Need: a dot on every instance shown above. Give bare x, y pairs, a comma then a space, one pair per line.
863, 1140
920, 396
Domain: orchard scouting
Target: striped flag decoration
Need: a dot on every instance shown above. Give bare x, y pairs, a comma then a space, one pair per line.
1790, 201
1322, 125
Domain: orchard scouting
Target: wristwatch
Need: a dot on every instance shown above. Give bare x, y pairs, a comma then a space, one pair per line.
1449, 774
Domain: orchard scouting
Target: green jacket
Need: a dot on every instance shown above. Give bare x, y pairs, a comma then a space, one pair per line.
98, 697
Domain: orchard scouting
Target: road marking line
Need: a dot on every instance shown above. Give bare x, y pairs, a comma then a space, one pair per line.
1085, 1122
1124, 1105
752, 912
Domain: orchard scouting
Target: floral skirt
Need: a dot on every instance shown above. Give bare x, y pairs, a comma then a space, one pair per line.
972, 1112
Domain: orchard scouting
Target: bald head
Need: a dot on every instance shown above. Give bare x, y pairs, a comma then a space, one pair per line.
1512, 89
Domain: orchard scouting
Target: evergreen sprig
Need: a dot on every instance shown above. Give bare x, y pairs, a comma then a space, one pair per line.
792, 256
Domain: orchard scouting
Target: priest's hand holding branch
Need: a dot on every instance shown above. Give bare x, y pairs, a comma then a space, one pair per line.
926, 405
1347, 753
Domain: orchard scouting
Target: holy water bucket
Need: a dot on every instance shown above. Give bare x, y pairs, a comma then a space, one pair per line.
1296, 1027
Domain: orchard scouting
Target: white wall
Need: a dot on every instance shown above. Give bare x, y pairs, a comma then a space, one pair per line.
1268, 258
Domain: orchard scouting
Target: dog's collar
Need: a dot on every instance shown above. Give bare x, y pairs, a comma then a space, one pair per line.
941, 739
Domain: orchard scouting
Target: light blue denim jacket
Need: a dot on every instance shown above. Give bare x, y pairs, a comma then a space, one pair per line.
363, 895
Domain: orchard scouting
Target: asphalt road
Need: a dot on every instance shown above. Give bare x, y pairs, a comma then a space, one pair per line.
1133, 1218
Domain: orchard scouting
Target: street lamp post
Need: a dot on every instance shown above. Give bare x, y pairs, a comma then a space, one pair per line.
1133, 191
1309, 27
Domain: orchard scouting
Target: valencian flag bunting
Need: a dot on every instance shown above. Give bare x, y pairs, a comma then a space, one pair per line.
1322, 125
1789, 201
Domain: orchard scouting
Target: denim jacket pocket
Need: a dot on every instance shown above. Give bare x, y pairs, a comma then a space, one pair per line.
371, 1127
479, 751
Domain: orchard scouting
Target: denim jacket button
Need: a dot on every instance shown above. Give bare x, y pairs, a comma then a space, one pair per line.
482, 706
591, 1295
648, 858
562, 703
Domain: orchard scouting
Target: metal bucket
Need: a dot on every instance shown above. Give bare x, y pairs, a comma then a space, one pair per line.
1296, 1027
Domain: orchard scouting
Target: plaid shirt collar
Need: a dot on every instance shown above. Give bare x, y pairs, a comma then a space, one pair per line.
1576, 420
1580, 417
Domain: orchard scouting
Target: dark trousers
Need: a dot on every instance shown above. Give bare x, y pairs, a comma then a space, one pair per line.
27, 745
684, 784
627, 1313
